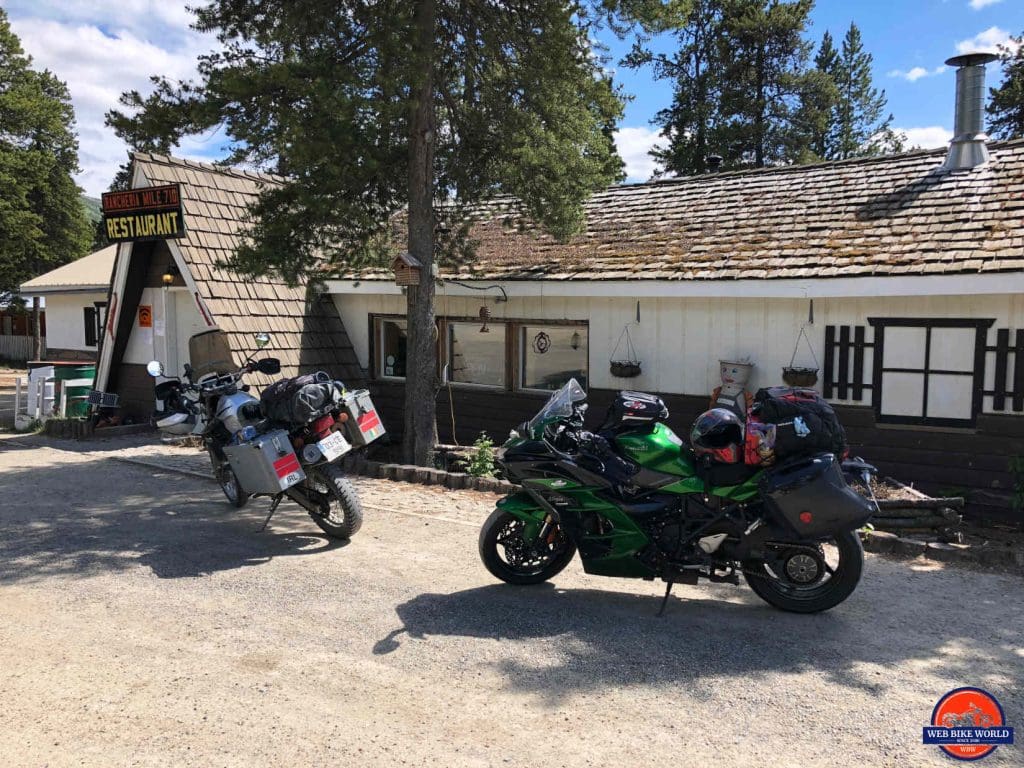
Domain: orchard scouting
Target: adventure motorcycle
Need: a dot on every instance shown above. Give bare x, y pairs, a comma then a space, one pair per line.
636, 502
287, 444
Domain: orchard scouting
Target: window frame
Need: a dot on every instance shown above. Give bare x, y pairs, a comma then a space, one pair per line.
977, 374
513, 356
520, 352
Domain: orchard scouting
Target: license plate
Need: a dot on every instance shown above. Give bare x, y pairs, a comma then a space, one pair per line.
334, 446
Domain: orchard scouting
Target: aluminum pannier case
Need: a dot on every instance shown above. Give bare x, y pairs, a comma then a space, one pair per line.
364, 424
266, 464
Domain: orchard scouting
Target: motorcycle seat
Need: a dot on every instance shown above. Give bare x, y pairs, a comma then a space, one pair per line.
720, 475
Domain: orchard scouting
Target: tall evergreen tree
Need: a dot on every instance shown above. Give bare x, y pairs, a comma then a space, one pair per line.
764, 59
371, 107
691, 122
1006, 103
861, 129
815, 118
42, 221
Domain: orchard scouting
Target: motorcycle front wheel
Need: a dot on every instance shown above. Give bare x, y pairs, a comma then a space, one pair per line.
345, 514
509, 556
228, 482
809, 577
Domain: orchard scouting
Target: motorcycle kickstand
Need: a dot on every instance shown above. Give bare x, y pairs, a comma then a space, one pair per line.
664, 600
270, 514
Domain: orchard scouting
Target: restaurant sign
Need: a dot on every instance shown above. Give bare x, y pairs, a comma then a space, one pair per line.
149, 213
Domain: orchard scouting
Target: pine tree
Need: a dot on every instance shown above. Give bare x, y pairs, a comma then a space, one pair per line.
1006, 104
764, 57
815, 118
690, 123
371, 107
42, 222
860, 128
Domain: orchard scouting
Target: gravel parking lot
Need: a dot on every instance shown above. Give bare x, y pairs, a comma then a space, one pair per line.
143, 622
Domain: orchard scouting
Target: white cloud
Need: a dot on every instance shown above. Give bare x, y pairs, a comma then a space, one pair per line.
102, 48
979, 4
929, 137
634, 144
916, 73
987, 40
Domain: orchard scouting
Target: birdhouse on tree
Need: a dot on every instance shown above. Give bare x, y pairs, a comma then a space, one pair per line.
407, 269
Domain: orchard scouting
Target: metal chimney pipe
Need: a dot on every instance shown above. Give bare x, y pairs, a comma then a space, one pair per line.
967, 149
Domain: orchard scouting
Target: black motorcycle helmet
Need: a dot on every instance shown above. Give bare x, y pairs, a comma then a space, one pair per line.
717, 435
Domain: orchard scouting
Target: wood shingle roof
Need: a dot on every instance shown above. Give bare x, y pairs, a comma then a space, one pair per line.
308, 334
894, 215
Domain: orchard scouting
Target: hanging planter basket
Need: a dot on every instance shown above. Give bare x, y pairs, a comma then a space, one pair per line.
799, 377
802, 376
625, 369
630, 367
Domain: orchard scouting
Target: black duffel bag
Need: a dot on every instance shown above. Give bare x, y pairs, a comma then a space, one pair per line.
300, 399
804, 422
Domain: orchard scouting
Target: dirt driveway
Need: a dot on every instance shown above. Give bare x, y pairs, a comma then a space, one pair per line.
144, 623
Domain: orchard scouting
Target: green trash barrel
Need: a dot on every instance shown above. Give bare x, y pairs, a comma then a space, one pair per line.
78, 396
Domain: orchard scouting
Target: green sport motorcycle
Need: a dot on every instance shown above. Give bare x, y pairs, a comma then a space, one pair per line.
634, 501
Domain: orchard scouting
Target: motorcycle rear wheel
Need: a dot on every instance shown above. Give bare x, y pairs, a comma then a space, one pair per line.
784, 593
345, 517
523, 563
228, 482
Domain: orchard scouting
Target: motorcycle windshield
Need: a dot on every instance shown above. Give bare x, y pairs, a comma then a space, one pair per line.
558, 406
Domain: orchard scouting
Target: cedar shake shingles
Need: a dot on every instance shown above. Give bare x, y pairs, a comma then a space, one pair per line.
890, 215
215, 201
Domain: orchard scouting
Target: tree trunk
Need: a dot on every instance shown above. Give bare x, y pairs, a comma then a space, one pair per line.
421, 349
37, 330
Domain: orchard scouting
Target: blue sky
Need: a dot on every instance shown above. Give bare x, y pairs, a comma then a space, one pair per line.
103, 47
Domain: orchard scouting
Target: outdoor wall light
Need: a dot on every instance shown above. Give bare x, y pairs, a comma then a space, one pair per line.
170, 274
574, 342
485, 315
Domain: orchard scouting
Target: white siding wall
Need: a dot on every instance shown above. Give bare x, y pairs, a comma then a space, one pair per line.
175, 320
680, 340
65, 319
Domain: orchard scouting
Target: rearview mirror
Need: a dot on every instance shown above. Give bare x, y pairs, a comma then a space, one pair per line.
155, 368
262, 339
269, 365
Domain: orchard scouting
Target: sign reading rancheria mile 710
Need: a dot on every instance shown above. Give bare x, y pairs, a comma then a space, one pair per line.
150, 213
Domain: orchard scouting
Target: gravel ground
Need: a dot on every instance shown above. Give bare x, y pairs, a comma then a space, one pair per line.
145, 623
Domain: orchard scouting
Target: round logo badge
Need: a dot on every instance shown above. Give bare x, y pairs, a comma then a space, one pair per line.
968, 724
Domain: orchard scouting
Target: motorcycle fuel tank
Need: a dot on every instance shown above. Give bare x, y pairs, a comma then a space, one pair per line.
657, 448
227, 410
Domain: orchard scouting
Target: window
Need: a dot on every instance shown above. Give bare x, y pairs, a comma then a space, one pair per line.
91, 326
476, 356
928, 371
550, 355
391, 344
95, 318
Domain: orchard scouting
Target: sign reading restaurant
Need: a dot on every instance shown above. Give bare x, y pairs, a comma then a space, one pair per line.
150, 213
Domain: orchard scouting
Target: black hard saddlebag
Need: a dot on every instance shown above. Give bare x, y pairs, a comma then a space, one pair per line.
812, 498
301, 399
805, 423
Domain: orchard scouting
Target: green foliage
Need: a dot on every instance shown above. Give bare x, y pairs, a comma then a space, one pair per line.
42, 223
743, 89
1006, 102
481, 460
323, 92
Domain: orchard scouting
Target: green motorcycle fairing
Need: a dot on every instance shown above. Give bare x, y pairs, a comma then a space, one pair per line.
613, 552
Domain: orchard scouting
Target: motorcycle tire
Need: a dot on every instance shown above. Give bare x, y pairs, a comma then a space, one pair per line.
346, 513
228, 482
819, 596
502, 523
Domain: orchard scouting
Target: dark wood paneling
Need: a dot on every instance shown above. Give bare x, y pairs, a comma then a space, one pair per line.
135, 388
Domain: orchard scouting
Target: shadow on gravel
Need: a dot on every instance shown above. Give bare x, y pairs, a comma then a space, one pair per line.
607, 638
77, 519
